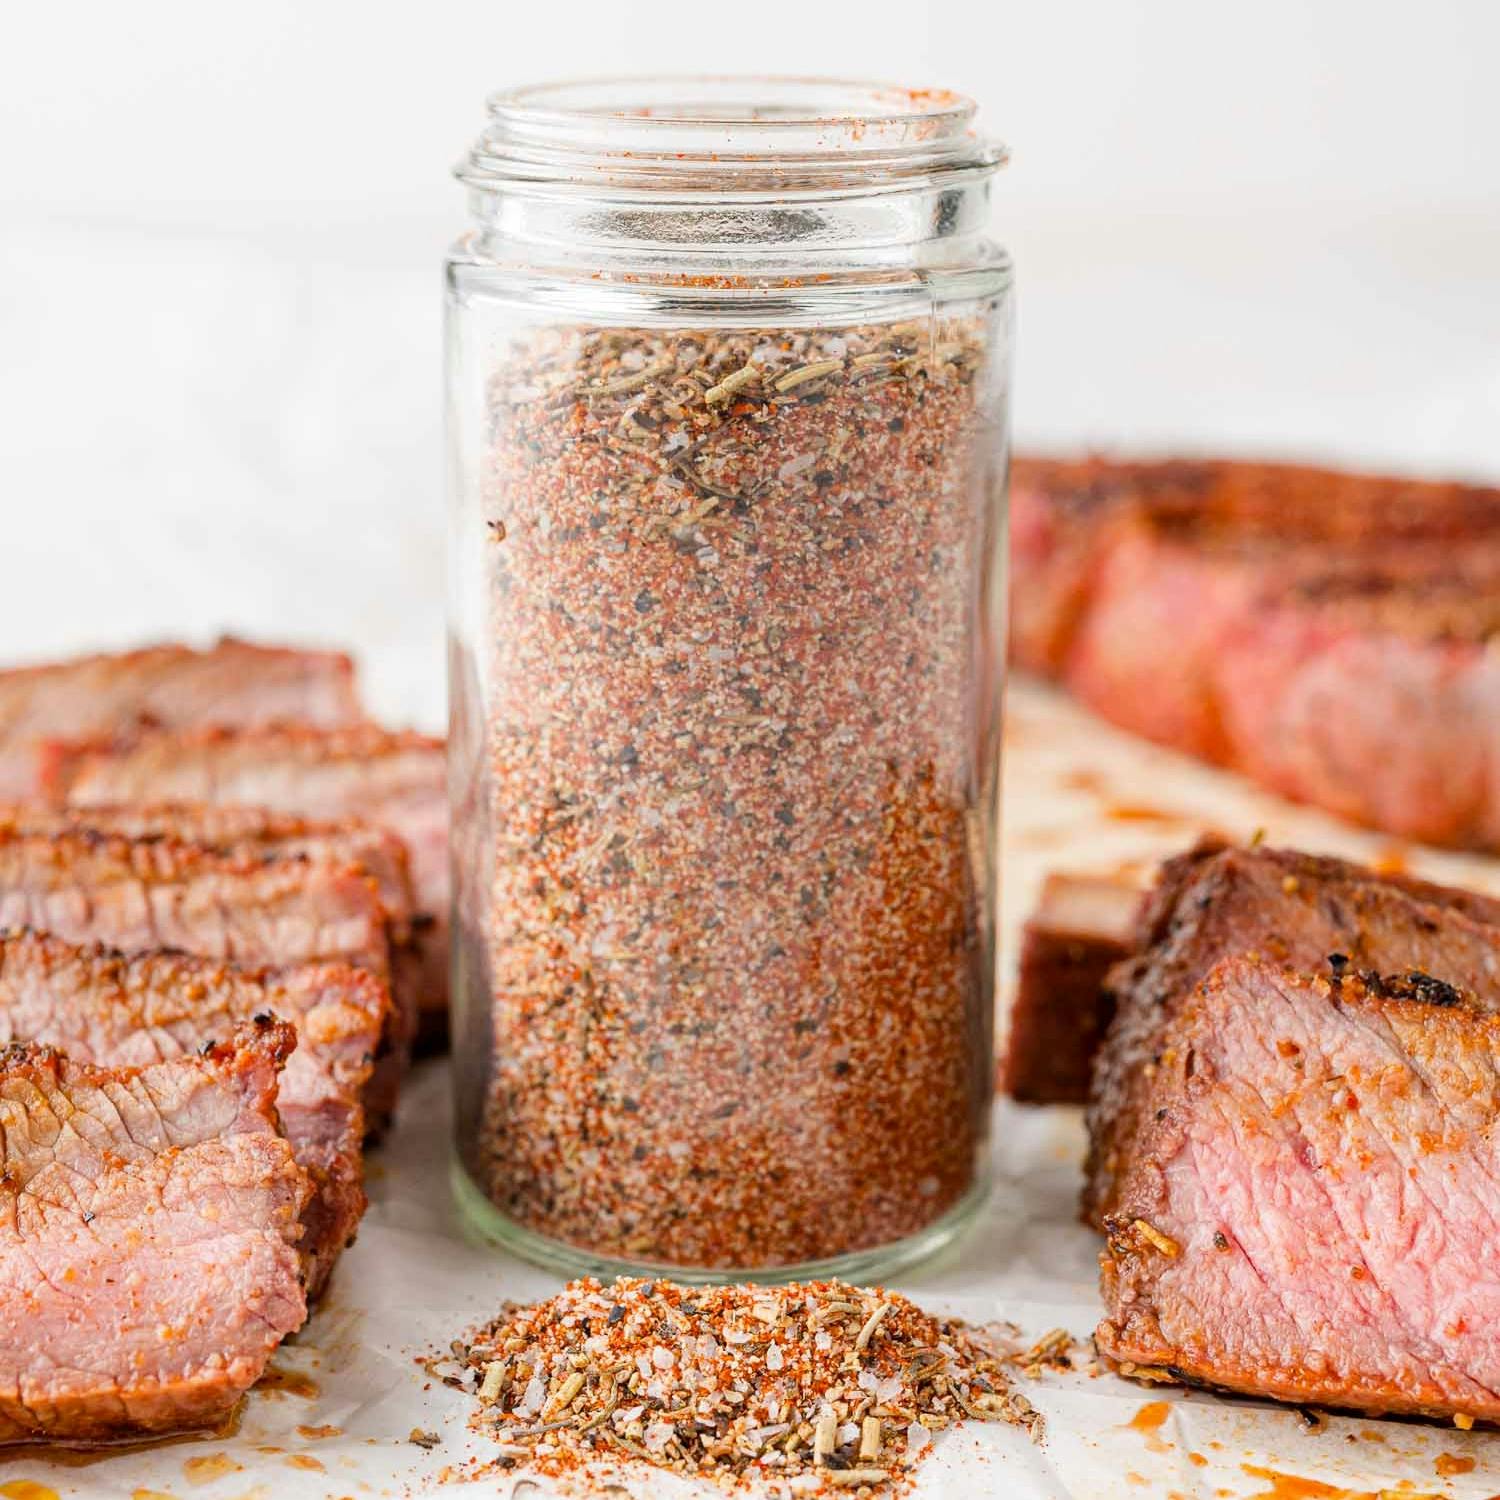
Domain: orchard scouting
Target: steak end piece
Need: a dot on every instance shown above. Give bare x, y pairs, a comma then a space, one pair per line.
1311, 1211
149, 1221
1307, 912
1082, 927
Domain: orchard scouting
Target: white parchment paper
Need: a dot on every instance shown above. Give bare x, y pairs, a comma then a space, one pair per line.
337, 1417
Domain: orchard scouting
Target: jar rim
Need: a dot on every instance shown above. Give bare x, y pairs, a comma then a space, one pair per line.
720, 132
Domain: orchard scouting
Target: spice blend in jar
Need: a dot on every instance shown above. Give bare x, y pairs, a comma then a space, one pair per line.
725, 724
734, 940
817, 1388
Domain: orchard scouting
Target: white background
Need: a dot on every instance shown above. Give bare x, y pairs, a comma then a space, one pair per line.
1270, 227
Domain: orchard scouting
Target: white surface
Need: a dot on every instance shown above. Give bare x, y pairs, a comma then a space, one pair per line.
1272, 227
412, 1284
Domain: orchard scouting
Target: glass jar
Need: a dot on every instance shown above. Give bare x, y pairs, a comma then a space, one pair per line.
727, 386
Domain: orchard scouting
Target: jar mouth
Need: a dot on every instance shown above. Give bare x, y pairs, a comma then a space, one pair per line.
726, 134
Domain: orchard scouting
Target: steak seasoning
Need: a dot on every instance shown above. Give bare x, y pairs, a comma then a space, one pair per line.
727, 376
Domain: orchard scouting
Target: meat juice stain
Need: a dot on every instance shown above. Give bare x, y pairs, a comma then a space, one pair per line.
1149, 1420
27, 1489
1134, 812
83, 1458
1449, 1464
209, 1467
1295, 1487
279, 1381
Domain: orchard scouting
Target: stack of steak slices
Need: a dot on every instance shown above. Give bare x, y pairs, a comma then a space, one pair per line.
394, 780
150, 1220
1295, 1137
136, 938
1327, 634
100, 1006
347, 848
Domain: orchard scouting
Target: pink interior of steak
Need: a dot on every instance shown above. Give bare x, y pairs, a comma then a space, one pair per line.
102, 1007
1312, 1209
164, 1202
237, 829
394, 780
1287, 908
140, 895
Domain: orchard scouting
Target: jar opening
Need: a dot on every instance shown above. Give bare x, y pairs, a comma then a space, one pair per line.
726, 134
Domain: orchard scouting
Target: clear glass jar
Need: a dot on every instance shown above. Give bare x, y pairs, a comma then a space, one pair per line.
727, 383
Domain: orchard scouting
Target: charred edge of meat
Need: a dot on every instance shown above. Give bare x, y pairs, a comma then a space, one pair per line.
1413, 986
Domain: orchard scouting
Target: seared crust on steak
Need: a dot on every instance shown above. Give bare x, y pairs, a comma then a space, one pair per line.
233, 682
1324, 633
149, 1220
396, 780
139, 895
1082, 927
260, 832
100, 1006
1283, 908
1311, 1207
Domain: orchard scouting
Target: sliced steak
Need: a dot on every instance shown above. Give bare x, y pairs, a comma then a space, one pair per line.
140, 895
101, 1007
239, 830
233, 682
1286, 908
149, 1222
395, 780
1311, 1208
1083, 926
1322, 632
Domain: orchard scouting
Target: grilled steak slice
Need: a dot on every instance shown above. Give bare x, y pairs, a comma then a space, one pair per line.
395, 780
1082, 928
98, 1006
233, 829
148, 1239
243, 830
1286, 908
139, 895
1311, 1212
1322, 632
231, 683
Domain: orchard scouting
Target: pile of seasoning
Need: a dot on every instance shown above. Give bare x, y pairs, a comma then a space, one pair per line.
806, 1389
739, 790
